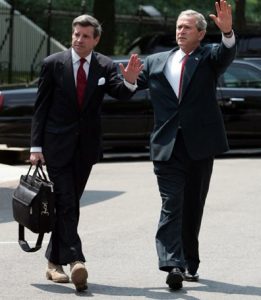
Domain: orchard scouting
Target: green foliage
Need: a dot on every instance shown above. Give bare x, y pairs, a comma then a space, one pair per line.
66, 11
253, 11
125, 32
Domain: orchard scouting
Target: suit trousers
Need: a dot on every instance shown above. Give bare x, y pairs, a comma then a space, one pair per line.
183, 185
69, 182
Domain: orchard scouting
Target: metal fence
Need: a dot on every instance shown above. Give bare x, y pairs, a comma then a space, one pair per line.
23, 45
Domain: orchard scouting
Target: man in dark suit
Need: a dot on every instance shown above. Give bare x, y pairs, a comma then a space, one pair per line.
188, 133
66, 134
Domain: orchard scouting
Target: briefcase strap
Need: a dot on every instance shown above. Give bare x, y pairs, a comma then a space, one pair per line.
23, 243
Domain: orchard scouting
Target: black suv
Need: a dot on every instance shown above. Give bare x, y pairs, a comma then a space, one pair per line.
129, 123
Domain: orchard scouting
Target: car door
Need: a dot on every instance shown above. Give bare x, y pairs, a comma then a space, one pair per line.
239, 96
16, 115
125, 123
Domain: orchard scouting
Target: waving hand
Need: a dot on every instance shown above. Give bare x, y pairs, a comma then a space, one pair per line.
223, 19
133, 68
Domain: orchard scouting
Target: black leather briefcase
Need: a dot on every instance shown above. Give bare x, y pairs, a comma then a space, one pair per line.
34, 206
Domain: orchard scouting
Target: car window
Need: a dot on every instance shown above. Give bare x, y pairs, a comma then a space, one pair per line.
242, 76
249, 46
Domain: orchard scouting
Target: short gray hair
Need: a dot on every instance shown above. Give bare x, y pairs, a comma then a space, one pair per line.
87, 20
201, 22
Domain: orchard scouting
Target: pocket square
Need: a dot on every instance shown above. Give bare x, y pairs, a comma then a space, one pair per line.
101, 81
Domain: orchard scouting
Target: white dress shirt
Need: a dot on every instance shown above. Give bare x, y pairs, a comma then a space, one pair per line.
173, 67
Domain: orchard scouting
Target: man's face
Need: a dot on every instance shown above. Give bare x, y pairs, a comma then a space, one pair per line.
83, 41
187, 35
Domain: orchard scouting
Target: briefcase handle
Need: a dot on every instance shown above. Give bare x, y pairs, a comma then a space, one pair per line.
38, 171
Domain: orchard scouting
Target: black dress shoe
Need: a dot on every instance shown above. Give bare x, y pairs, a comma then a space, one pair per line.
174, 279
191, 277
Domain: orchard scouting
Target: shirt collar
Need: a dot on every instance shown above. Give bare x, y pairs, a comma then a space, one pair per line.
76, 57
180, 54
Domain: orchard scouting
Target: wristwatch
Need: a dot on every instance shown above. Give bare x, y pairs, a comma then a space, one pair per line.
228, 34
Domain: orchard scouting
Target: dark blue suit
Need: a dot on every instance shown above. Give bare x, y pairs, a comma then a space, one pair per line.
71, 139
184, 141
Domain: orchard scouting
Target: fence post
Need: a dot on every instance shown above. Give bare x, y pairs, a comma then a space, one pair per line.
83, 7
11, 36
48, 31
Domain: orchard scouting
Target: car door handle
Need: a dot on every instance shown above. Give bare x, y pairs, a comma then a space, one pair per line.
227, 102
235, 99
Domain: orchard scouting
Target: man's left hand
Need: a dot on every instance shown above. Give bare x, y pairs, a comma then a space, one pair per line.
132, 70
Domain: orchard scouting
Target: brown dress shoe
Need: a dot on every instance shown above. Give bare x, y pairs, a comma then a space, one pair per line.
79, 275
56, 273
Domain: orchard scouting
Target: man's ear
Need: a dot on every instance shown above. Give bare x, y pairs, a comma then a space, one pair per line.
202, 33
97, 39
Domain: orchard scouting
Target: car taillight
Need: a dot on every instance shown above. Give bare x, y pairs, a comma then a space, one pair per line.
1, 101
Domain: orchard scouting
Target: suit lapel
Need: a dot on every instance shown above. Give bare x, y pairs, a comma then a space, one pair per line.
190, 69
159, 68
69, 81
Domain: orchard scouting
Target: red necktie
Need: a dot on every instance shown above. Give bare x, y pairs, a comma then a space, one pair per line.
184, 60
81, 82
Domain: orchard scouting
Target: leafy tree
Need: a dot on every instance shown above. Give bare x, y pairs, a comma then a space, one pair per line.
240, 19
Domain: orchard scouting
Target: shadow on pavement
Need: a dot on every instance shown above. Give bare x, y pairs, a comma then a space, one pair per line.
202, 286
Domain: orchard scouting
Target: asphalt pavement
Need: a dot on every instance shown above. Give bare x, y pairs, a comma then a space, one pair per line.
119, 215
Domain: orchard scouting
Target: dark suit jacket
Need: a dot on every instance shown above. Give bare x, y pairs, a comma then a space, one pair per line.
198, 113
58, 125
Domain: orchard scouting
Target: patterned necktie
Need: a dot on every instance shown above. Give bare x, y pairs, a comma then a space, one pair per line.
184, 60
81, 82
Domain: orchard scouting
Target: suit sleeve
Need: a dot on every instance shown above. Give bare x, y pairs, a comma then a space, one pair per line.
222, 57
142, 81
42, 104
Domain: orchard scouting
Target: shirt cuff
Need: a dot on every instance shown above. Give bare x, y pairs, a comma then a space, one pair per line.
36, 149
229, 42
130, 86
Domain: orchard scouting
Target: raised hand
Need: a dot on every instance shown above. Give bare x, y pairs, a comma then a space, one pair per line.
133, 69
223, 19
